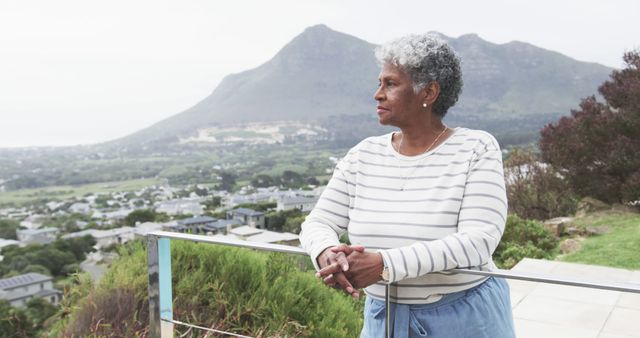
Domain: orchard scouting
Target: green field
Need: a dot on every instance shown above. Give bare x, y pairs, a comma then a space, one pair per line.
27, 196
620, 247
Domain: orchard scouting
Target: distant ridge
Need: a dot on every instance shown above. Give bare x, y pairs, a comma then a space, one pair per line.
322, 72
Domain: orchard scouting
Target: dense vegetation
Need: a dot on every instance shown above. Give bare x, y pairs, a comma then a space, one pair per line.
597, 149
8, 228
144, 215
238, 290
536, 190
57, 259
24, 322
524, 238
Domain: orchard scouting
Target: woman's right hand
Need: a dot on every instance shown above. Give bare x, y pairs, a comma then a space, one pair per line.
336, 257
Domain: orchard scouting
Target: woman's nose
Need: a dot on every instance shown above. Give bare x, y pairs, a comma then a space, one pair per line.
378, 95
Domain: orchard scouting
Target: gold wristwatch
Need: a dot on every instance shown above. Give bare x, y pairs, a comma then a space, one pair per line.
385, 274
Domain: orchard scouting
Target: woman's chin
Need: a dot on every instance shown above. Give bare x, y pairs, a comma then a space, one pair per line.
383, 121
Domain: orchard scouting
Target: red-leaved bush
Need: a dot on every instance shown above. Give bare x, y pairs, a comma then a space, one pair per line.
597, 148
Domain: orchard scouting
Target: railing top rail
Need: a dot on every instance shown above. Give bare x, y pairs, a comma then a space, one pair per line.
541, 278
231, 242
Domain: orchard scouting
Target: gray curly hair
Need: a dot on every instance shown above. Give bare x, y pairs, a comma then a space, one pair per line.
426, 58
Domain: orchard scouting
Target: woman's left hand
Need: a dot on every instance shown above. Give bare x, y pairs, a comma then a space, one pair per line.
365, 269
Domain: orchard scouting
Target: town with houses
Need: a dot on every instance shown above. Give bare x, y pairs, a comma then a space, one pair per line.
101, 216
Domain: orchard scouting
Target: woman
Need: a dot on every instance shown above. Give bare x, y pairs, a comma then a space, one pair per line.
416, 203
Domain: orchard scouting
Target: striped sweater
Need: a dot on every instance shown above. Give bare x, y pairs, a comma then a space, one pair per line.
425, 214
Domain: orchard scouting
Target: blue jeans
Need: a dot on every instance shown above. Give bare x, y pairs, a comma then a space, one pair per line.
483, 311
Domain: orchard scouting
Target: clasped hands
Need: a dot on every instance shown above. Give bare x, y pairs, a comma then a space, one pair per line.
349, 268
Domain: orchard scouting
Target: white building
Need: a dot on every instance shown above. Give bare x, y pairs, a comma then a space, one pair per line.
54, 205
6, 242
247, 216
245, 231
112, 215
19, 289
105, 238
273, 237
264, 236
32, 221
37, 236
14, 213
263, 195
181, 207
143, 229
300, 202
80, 208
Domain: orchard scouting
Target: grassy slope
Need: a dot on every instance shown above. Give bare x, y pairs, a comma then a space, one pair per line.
239, 290
620, 247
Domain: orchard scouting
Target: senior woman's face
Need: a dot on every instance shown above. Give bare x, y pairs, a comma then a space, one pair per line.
398, 104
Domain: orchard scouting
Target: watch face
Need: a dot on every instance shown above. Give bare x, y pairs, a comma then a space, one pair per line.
385, 274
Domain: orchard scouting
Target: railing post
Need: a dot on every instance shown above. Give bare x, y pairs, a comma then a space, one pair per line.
160, 293
387, 311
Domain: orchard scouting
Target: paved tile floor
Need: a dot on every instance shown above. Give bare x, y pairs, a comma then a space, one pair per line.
554, 311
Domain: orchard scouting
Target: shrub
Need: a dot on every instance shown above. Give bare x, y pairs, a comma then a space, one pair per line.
524, 238
535, 190
141, 216
247, 292
14, 322
292, 224
8, 228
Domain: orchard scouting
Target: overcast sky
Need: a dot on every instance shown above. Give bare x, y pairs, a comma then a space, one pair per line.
86, 71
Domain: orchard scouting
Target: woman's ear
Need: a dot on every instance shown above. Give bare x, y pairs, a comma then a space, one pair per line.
431, 92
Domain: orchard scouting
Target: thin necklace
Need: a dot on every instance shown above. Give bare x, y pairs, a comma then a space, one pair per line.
428, 148
406, 177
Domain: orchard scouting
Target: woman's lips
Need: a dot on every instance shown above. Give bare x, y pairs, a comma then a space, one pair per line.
382, 109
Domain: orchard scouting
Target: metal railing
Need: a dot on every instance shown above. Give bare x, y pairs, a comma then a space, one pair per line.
161, 321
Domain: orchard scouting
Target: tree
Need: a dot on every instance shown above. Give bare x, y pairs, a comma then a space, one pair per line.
291, 179
141, 215
262, 181
79, 247
535, 190
312, 180
39, 310
226, 181
101, 200
292, 224
8, 228
37, 269
277, 220
14, 322
597, 148
213, 202
53, 259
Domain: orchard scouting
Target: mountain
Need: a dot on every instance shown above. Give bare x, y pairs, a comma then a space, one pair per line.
519, 79
323, 73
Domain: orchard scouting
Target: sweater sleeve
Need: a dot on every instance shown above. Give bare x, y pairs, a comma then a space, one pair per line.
329, 218
481, 222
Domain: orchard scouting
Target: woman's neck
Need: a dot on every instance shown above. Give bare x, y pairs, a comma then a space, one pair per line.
422, 137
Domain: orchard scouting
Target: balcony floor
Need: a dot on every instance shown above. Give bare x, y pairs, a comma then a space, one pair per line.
557, 311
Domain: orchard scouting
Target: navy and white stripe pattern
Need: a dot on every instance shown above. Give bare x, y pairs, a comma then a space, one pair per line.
425, 214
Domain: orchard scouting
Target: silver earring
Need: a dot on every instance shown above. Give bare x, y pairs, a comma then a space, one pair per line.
424, 105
